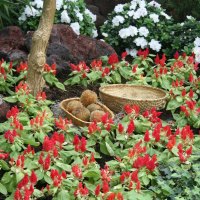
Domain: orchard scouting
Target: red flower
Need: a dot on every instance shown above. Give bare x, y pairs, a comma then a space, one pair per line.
183, 92
48, 144
191, 78
112, 59
120, 128
157, 59
171, 142
92, 128
23, 182
134, 176
83, 144
191, 93
13, 112
97, 190
105, 187
3, 155
176, 55
92, 158
189, 151
131, 127
138, 186
146, 136
33, 178
77, 171
111, 196
124, 54
17, 195
10, 135
47, 162
120, 196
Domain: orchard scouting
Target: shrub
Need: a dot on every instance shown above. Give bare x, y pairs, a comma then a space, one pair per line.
71, 12
137, 25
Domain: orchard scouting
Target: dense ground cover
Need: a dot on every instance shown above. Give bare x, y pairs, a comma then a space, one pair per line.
143, 156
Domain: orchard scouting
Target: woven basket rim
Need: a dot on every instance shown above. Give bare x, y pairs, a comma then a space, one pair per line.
131, 85
80, 120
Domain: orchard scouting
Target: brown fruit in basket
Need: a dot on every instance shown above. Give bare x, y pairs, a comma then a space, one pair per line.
92, 107
97, 115
82, 113
88, 97
74, 105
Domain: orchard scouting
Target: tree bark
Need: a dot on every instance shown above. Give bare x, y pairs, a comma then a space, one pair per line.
37, 56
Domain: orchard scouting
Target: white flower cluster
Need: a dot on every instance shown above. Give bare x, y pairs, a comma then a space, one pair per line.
130, 22
68, 11
196, 49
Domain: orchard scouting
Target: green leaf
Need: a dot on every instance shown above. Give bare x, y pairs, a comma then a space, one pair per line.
116, 77
76, 79
11, 99
145, 180
4, 165
173, 104
63, 195
59, 85
3, 189
110, 150
92, 173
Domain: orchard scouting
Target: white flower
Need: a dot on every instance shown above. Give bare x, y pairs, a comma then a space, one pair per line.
132, 52
165, 15
154, 4
141, 42
80, 16
31, 11
65, 17
38, 3
133, 5
197, 42
94, 17
140, 12
76, 27
59, 4
189, 17
143, 31
154, 17
182, 23
127, 32
117, 20
22, 17
119, 8
142, 4
196, 51
155, 45
130, 13
94, 33
105, 34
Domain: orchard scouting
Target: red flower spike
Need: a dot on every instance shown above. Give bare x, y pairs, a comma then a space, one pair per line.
17, 195
138, 186
124, 54
33, 178
47, 162
23, 182
131, 127
157, 59
111, 196
146, 136
134, 176
191, 78
112, 59
85, 161
83, 144
105, 187
120, 128
97, 190
176, 55
183, 92
13, 112
189, 151
77, 171
120, 196
191, 94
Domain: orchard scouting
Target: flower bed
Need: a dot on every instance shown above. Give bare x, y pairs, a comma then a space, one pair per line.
140, 155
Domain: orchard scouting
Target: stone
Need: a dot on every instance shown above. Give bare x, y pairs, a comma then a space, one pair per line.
4, 108
17, 55
11, 37
70, 47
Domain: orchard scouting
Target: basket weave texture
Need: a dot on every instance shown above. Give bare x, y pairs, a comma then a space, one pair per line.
116, 96
76, 121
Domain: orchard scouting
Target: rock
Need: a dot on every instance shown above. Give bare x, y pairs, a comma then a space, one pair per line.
4, 108
11, 38
17, 55
64, 44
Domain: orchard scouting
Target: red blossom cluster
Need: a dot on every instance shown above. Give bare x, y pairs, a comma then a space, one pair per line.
107, 121
62, 124
52, 68
80, 144
3, 70
143, 53
57, 178
25, 187
41, 96
23, 66
132, 109
93, 127
3, 155
81, 191
87, 160
22, 87
38, 121
81, 68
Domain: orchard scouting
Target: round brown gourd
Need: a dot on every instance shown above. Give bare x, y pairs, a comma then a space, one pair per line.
82, 113
92, 107
88, 97
96, 115
74, 105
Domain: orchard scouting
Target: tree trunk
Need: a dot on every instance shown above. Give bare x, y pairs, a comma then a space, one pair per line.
37, 56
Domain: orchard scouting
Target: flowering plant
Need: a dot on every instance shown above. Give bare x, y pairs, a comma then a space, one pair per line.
71, 12
137, 25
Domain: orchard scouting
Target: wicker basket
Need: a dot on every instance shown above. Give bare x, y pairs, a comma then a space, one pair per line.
146, 97
77, 121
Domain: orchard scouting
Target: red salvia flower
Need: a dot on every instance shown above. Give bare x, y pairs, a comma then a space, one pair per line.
105, 187
146, 136
112, 59
97, 190
176, 55
33, 178
13, 112
131, 127
47, 162
77, 171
